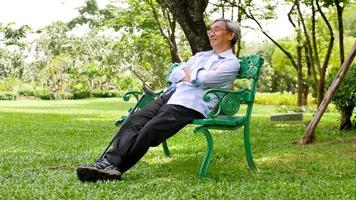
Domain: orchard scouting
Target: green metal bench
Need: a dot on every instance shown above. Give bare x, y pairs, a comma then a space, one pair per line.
223, 117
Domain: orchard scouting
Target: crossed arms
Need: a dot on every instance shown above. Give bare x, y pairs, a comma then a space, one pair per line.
222, 73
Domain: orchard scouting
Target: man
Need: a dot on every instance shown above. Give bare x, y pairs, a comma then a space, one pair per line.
177, 107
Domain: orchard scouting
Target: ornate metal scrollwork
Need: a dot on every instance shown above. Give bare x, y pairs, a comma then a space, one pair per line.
231, 104
249, 66
128, 95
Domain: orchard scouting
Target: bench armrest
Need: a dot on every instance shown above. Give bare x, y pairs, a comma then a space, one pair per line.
146, 97
128, 95
228, 101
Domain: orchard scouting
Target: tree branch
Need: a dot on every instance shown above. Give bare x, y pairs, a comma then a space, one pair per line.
331, 40
310, 52
150, 3
287, 53
316, 54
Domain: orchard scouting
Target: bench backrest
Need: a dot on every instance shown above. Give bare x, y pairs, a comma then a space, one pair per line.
249, 70
250, 67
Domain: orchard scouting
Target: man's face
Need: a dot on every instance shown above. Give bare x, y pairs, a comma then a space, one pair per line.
219, 35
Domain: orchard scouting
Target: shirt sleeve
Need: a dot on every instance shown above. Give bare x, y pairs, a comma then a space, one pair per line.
177, 73
221, 75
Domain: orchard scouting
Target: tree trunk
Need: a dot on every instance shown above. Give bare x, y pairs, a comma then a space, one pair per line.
239, 19
300, 76
339, 10
322, 69
174, 50
170, 38
305, 95
346, 115
321, 85
190, 16
309, 133
315, 48
308, 48
299, 67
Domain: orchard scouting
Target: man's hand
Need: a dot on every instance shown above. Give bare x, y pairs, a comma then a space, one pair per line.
188, 72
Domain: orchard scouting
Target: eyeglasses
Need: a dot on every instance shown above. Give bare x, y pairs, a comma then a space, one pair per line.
215, 30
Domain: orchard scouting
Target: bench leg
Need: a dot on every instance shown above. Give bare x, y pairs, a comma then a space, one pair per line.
205, 164
165, 148
248, 152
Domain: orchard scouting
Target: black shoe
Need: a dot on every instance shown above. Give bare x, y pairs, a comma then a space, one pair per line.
101, 170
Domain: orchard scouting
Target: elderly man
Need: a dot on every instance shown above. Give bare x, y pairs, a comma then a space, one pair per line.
177, 107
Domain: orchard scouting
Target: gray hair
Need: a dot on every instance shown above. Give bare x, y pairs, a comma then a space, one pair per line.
231, 27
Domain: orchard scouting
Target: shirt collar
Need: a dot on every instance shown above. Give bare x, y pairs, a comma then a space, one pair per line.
208, 53
225, 53
221, 55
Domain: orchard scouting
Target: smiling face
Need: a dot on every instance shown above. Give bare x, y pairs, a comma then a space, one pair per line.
219, 37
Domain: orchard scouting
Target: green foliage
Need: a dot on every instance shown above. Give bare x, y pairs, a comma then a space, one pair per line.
13, 36
279, 99
126, 83
284, 75
11, 63
107, 93
26, 93
350, 15
7, 96
141, 48
345, 95
11, 84
328, 3
43, 94
42, 143
81, 94
53, 40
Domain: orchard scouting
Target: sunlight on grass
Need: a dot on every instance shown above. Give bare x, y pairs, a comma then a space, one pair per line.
42, 143
285, 158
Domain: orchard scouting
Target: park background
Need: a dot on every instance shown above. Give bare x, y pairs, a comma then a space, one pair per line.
55, 77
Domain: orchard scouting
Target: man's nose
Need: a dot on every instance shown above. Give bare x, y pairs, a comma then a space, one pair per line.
211, 33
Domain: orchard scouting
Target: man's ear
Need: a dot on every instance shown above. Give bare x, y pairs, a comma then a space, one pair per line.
232, 35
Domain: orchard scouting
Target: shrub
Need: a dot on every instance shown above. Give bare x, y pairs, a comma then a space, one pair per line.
2, 86
10, 84
7, 96
106, 93
81, 94
43, 94
26, 92
344, 98
63, 95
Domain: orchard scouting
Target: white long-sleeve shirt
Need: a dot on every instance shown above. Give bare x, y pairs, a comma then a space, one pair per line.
209, 70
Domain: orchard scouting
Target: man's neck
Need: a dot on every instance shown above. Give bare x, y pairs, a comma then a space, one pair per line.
220, 50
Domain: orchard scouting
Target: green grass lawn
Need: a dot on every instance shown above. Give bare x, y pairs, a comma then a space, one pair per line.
42, 143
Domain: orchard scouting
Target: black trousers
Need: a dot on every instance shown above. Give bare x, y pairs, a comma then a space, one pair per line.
147, 128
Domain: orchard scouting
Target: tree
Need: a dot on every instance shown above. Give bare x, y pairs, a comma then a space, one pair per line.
140, 48
308, 40
12, 48
56, 76
266, 12
339, 5
309, 134
169, 34
345, 99
144, 57
350, 15
190, 16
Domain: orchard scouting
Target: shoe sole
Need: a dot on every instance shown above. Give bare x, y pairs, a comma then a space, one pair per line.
92, 174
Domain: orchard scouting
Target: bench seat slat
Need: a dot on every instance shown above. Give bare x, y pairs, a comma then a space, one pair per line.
221, 120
